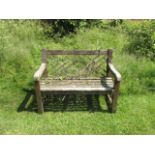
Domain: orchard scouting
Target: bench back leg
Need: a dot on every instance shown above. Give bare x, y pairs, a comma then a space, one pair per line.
46, 73
38, 97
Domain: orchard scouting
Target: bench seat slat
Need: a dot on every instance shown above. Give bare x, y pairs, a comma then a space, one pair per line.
99, 85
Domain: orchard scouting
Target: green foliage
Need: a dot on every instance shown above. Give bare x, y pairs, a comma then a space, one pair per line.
19, 42
116, 22
62, 27
20, 52
141, 39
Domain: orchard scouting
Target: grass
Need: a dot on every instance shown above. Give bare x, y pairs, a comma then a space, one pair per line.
20, 48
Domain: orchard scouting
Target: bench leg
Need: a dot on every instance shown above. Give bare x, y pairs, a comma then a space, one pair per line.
39, 98
108, 101
114, 103
46, 73
114, 98
90, 103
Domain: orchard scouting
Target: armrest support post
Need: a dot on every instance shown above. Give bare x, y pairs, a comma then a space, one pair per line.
38, 74
115, 73
117, 76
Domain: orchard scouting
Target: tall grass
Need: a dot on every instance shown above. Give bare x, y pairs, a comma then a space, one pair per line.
19, 46
21, 42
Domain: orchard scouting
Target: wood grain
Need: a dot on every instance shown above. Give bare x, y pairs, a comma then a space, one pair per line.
76, 52
74, 85
104, 85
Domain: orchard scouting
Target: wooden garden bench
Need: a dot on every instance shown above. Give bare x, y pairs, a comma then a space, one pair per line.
108, 85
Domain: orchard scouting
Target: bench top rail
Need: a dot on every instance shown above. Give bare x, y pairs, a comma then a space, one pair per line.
76, 52
46, 53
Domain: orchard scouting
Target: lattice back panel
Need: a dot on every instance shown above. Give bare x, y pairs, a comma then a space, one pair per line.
68, 66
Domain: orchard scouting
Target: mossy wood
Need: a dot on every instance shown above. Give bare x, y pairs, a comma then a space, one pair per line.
107, 85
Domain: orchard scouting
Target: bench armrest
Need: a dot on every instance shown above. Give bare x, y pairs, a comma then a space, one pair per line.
39, 72
113, 70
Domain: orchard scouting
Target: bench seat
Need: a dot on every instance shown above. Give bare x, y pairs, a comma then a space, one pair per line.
84, 85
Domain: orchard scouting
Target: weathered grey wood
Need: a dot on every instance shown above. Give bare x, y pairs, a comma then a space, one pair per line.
108, 100
44, 56
38, 97
77, 92
40, 72
76, 52
75, 78
109, 59
109, 53
73, 85
105, 85
113, 70
115, 96
45, 74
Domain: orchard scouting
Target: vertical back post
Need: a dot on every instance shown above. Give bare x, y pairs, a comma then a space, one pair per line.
44, 56
109, 54
44, 60
109, 60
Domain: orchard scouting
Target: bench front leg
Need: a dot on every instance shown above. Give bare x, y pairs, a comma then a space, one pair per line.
115, 96
117, 79
39, 97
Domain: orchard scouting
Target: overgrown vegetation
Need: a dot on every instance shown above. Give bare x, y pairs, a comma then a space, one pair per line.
141, 38
62, 27
21, 42
20, 39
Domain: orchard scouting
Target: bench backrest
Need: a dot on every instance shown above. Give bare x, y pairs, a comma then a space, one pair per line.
46, 53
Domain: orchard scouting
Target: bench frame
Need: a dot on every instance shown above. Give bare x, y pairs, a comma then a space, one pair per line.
111, 99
